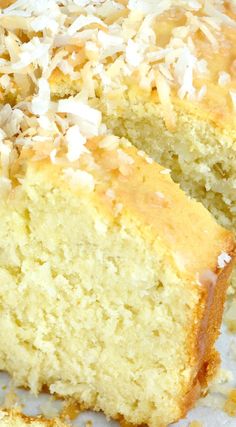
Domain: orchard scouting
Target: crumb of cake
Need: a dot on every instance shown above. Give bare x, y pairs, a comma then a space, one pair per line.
49, 409
89, 423
230, 404
71, 409
218, 390
195, 424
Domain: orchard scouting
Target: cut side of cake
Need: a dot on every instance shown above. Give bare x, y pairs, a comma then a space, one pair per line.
163, 75
112, 280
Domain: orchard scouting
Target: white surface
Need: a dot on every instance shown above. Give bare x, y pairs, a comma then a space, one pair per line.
209, 416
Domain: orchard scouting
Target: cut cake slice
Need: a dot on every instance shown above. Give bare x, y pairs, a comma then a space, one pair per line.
112, 280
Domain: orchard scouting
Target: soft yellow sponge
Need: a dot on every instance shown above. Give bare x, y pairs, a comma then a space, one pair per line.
112, 283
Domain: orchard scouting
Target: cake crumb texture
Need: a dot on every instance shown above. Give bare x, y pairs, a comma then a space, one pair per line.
113, 281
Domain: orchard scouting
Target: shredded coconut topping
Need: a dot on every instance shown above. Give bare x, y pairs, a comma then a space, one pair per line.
108, 42
105, 45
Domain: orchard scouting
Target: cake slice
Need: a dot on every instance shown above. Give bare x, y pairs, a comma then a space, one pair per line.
112, 280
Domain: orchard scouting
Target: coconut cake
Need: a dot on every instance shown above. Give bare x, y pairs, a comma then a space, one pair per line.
109, 273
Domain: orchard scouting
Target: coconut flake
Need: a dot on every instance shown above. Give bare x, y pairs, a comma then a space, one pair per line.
223, 259
80, 109
224, 79
5, 81
107, 40
216, 13
132, 54
208, 35
35, 51
79, 178
75, 143
109, 142
163, 90
53, 155
83, 21
124, 157
110, 193
202, 92
89, 119
150, 6
40, 103
184, 72
165, 171
160, 195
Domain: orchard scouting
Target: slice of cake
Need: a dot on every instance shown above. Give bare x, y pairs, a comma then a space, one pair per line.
112, 280
163, 74
14, 418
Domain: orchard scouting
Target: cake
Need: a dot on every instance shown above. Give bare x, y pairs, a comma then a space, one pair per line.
14, 418
162, 73
112, 279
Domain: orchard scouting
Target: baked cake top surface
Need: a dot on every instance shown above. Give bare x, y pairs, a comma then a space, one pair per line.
183, 51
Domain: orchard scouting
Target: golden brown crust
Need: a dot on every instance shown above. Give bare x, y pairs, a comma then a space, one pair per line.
207, 357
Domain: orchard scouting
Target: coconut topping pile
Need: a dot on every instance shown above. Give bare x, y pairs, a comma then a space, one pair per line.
101, 43
114, 42
69, 134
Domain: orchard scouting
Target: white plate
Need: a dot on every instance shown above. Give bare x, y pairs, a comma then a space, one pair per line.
209, 416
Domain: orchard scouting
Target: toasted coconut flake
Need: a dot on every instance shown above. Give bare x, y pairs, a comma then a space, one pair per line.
5, 81
109, 142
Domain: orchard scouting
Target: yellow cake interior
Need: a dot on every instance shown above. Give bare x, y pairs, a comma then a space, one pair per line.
109, 273
102, 281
